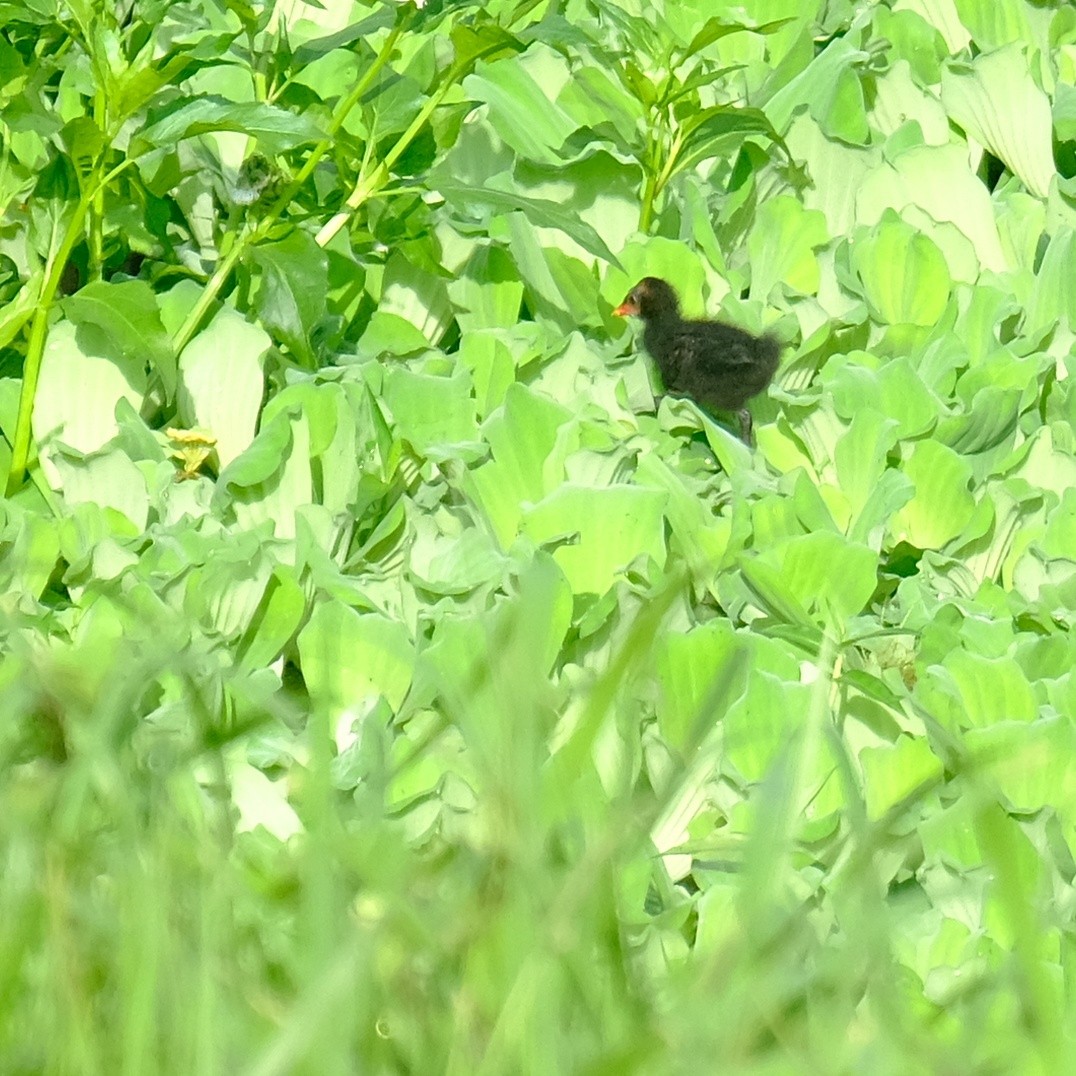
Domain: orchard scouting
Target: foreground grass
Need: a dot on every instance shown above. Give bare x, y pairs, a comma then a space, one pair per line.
148, 929
463, 709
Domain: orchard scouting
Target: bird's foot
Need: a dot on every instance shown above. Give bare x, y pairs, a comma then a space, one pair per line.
745, 426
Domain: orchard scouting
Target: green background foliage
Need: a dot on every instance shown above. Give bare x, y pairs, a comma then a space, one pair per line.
453, 702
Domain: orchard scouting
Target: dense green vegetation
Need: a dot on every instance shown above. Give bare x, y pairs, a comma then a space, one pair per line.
390, 683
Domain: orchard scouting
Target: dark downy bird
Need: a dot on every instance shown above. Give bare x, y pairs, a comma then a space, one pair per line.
716, 365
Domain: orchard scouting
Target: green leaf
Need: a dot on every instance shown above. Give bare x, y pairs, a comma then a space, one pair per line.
716, 28
990, 690
861, 455
892, 772
226, 591
84, 374
453, 563
488, 290
831, 89
823, 573
262, 458
267, 483
689, 668
938, 181
895, 389
904, 274
128, 313
539, 212
770, 594
760, 724
31, 548
417, 294
541, 615
707, 132
603, 531
17, 312
998, 103
593, 99
485, 41
1053, 294
221, 382
529, 439
391, 334
782, 247
139, 84
943, 503
992, 418
559, 288
85, 142
996, 24
519, 111
278, 617
294, 285
431, 413
492, 368
702, 539
349, 659
105, 479
275, 129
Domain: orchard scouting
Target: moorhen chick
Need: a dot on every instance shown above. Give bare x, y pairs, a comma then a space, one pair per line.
716, 365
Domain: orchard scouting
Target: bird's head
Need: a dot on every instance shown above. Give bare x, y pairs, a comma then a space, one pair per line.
652, 297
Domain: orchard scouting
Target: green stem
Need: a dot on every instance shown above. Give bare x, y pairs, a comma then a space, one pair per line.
20, 445
650, 163
95, 222
659, 168
670, 164
194, 319
371, 182
35, 349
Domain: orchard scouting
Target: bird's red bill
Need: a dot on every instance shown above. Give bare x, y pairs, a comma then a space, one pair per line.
626, 308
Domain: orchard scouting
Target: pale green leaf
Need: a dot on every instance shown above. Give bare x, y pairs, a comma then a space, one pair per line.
539, 211
430, 412
83, 376
945, 18
519, 111
601, 531
943, 502
281, 611
1033, 764
998, 23
349, 658
221, 384
937, 180
892, 772
825, 573
106, 478
830, 88
271, 479
529, 438
294, 281
998, 103
782, 246
904, 274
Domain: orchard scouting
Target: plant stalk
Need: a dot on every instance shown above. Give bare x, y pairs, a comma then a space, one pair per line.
20, 445
194, 319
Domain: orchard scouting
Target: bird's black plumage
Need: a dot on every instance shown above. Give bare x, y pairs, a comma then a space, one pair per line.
717, 365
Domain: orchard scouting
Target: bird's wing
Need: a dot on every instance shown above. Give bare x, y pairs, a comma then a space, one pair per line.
703, 345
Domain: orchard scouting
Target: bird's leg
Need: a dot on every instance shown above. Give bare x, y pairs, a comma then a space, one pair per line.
745, 425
